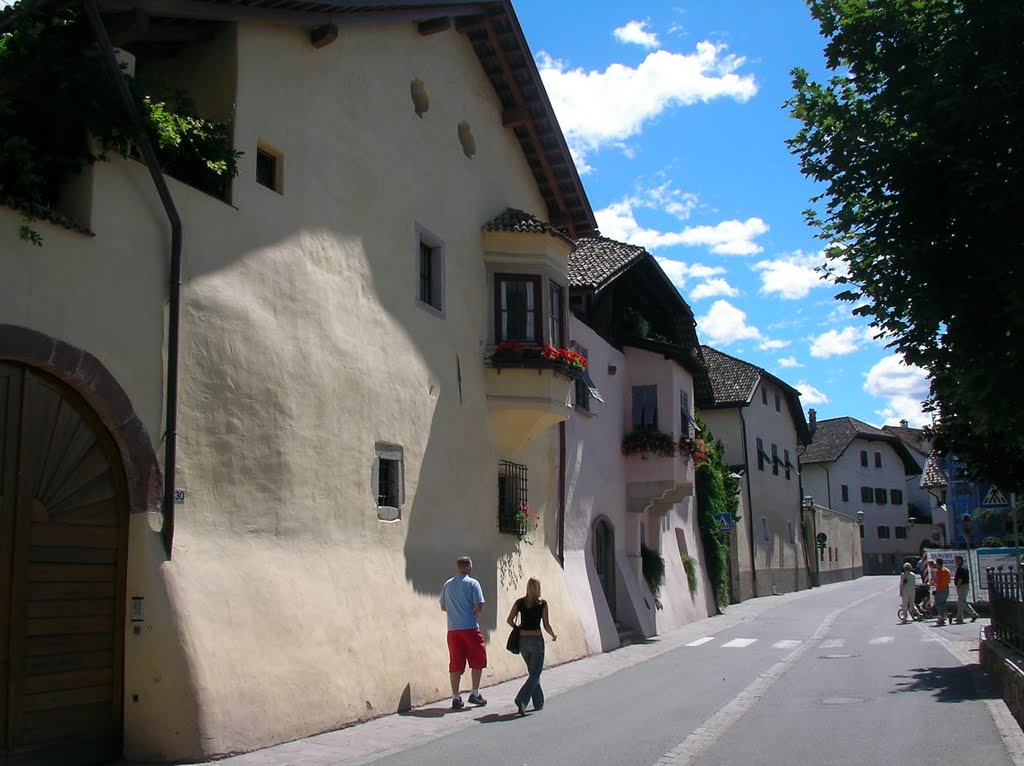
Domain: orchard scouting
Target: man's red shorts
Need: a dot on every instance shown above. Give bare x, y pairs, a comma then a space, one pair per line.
463, 646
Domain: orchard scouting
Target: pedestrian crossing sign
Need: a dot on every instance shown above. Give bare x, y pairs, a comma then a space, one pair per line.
724, 521
992, 496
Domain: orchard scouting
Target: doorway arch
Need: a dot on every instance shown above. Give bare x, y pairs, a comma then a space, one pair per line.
64, 505
604, 560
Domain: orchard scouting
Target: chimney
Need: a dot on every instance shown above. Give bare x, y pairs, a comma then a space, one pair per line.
904, 424
812, 421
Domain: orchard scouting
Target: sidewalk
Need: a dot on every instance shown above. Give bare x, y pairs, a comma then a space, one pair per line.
365, 742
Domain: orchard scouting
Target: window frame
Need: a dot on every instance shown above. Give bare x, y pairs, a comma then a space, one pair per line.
512, 486
785, 457
878, 460
881, 496
844, 492
775, 460
556, 318
387, 453
863, 458
883, 528
538, 308
901, 533
761, 454
267, 153
867, 495
651, 390
778, 403
893, 494
436, 247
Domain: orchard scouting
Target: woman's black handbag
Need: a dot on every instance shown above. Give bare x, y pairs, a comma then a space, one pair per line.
513, 641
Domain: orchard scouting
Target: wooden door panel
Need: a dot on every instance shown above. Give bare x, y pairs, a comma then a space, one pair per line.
67, 579
10, 409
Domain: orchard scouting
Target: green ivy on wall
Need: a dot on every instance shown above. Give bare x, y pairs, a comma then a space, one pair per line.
716, 493
60, 112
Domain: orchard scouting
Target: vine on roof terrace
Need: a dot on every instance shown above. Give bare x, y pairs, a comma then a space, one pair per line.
60, 112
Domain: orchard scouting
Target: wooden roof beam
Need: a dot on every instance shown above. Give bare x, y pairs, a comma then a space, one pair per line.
433, 26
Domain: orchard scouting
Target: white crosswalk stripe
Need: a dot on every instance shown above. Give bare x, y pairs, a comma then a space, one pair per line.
738, 643
789, 643
880, 640
701, 641
832, 643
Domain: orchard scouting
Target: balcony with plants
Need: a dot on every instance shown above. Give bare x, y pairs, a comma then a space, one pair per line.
529, 389
660, 468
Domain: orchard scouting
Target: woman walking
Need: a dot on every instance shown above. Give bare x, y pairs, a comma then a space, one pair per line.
532, 611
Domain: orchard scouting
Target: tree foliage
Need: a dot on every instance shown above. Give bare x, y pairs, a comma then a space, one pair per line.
918, 141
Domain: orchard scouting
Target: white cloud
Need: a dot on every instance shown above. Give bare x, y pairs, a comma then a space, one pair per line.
725, 324
789, 361
809, 394
792, 276
711, 288
597, 109
635, 32
618, 221
902, 386
836, 343
772, 345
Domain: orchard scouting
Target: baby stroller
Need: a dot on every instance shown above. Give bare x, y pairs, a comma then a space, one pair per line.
923, 602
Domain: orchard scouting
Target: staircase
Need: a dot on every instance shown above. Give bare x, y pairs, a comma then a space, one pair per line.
628, 635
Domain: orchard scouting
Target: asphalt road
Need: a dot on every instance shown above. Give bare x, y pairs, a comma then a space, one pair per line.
831, 677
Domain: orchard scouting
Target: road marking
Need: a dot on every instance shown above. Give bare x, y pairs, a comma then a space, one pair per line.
880, 640
701, 641
789, 643
832, 643
738, 643
718, 723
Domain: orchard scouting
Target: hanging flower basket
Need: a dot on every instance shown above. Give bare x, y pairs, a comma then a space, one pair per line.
694, 448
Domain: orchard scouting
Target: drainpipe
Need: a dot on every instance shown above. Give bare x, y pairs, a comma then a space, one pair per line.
174, 307
750, 505
561, 494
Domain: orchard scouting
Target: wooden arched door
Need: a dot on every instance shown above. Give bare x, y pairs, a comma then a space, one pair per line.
63, 545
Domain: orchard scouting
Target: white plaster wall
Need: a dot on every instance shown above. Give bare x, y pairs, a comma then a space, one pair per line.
288, 607
595, 487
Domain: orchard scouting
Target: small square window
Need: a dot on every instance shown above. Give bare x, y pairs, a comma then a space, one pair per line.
388, 481
429, 270
864, 458
878, 460
901, 533
268, 168
845, 490
883, 533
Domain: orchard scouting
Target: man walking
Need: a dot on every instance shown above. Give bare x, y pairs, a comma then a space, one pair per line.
462, 599
941, 579
962, 581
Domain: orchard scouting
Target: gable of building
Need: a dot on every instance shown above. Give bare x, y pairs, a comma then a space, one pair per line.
831, 438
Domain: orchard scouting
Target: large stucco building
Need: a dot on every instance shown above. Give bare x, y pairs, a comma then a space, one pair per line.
244, 514
758, 418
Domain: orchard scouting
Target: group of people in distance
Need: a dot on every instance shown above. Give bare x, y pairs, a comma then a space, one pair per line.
462, 600
935, 579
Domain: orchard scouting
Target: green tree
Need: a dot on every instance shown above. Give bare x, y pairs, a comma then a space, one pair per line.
716, 493
918, 141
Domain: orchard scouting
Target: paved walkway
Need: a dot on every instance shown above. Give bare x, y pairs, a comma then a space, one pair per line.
366, 742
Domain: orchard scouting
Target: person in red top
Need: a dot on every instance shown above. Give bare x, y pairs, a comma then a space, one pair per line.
941, 579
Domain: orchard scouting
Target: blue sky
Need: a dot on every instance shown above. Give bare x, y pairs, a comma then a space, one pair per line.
674, 113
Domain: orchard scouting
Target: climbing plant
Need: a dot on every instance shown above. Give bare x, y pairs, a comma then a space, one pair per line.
716, 493
60, 112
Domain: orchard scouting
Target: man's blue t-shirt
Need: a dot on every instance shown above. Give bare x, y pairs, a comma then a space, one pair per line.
460, 595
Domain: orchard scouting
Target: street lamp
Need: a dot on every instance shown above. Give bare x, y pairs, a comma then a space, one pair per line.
860, 518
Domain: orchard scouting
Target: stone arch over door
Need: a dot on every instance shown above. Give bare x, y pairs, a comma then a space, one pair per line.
603, 535
63, 558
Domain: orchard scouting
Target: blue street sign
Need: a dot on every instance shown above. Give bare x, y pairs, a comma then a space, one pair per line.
724, 521
991, 496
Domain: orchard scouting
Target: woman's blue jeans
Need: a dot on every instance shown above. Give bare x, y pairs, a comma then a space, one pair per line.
532, 650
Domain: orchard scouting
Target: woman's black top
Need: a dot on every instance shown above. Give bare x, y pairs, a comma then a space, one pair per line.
530, 617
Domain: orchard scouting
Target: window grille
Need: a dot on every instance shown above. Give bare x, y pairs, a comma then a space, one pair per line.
511, 498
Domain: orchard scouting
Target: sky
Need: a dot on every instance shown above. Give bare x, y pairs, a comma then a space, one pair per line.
674, 112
